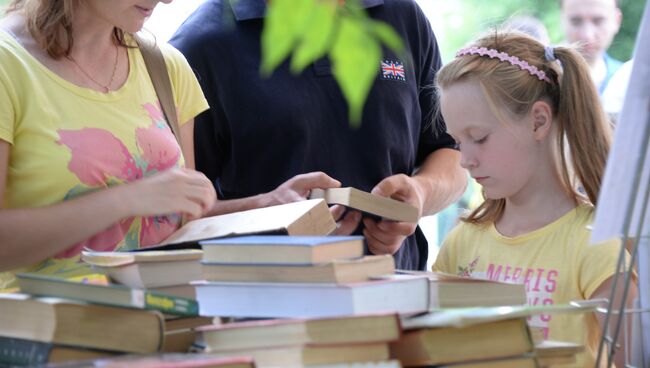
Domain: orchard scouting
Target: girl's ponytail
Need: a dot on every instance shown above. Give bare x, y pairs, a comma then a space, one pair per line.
583, 125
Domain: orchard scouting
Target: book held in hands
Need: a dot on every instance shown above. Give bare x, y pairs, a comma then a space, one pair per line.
383, 207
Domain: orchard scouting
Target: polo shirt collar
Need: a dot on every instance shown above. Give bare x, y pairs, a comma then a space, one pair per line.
256, 9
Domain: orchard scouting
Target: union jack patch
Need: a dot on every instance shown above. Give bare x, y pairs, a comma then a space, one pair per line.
393, 70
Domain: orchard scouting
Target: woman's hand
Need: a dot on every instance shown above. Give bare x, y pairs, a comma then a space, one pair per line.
176, 190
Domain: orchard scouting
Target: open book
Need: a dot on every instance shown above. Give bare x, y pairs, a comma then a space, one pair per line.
310, 217
368, 203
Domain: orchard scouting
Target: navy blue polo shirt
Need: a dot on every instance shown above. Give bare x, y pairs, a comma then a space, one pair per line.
259, 132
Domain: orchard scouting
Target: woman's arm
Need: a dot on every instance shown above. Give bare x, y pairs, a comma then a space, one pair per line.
30, 235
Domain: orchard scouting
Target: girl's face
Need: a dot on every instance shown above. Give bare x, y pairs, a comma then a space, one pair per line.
500, 154
128, 15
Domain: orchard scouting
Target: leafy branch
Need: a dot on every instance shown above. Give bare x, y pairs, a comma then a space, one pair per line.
341, 30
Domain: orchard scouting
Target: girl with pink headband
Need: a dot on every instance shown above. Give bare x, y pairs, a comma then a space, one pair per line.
531, 131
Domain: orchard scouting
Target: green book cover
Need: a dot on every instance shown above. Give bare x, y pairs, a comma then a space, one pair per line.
112, 294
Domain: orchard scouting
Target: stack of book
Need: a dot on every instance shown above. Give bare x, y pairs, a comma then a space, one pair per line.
169, 272
59, 320
483, 337
470, 337
324, 342
271, 276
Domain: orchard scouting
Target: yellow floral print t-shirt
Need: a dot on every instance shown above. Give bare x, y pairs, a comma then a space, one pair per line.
67, 141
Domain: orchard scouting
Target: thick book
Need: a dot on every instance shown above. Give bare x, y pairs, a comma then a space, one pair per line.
404, 295
522, 361
165, 360
451, 291
148, 269
310, 217
22, 352
368, 203
80, 325
443, 345
308, 355
316, 331
281, 249
114, 295
339, 271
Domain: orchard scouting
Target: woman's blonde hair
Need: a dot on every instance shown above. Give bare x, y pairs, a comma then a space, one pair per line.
50, 24
582, 126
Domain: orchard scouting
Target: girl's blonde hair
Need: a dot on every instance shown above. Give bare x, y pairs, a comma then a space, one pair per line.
582, 126
50, 24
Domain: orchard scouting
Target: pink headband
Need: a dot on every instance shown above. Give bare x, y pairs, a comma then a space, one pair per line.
492, 53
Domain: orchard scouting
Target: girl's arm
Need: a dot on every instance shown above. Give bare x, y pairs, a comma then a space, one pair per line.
604, 292
30, 235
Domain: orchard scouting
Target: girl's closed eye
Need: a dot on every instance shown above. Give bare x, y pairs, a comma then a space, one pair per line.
481, 140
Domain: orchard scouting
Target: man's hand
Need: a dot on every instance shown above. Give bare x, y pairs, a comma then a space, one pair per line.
386, 237
298, 188
346, 221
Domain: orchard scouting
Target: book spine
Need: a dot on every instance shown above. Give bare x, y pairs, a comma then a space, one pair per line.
170, 304
19, 352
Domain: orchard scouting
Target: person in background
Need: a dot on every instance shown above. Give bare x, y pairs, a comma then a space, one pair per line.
592, 24
529, 25
259, 132
86, 156
531, 133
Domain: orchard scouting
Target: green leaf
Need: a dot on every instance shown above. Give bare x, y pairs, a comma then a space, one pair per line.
316, 40
285, 22
387, 35
355, 57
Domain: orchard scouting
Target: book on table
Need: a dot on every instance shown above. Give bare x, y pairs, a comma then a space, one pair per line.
164, 360
369, 328
112, 294
309, 217
450, 291
21, 352
78, 324
378, 206
148, 269
308, 355
457, 335
451, 344
404, 295
180, 332
281, 249
550, 352
338, 271
522, 361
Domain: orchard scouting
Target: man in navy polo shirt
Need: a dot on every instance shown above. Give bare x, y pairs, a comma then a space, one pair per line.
261, 132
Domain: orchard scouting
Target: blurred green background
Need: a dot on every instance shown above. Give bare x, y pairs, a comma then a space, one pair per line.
457, 22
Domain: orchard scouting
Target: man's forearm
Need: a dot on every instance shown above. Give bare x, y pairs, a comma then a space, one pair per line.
441, 179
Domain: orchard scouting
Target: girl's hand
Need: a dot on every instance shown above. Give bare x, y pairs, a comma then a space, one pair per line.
176, 190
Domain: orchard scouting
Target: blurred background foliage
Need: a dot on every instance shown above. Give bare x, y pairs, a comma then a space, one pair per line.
458, 22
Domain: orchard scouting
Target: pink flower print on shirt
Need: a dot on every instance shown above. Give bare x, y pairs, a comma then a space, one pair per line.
155, 140
467, 271
98, 156
99, 159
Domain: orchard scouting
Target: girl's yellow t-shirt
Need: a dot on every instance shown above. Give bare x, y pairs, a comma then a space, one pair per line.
556, 263
67, 141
